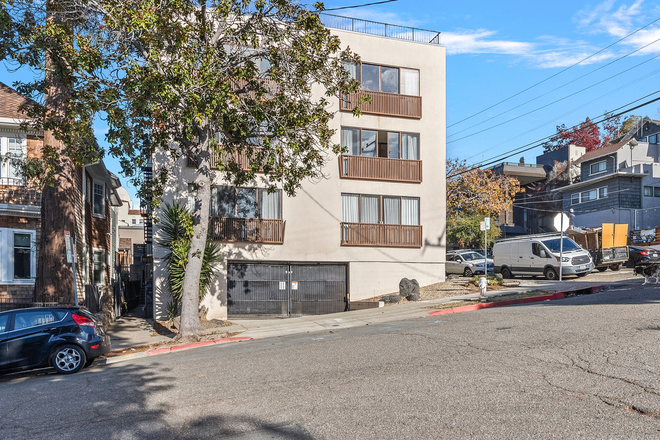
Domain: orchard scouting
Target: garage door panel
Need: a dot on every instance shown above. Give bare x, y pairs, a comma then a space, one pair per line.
280, 289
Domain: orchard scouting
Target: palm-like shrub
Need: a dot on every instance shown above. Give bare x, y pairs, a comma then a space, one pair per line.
175, 234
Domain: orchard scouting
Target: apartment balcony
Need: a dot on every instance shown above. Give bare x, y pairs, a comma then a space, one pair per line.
395, 31
380, 168
252, 230
381, 235
385, 104
13, 193
242, 158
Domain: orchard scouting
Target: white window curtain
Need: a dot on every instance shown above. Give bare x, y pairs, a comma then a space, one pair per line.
409, 211
350, 208
409, 146
370, 209
410, 82
392, 210
353, 69
270, 204
350, 139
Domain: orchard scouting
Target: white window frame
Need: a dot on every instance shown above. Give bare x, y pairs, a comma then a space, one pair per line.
105, 266
96, 183
5, 165
7, 256
604, 170
580, 199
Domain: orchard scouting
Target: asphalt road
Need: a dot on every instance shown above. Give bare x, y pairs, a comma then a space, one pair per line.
579, 368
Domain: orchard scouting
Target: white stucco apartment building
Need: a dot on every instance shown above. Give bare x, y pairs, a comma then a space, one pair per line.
378, 217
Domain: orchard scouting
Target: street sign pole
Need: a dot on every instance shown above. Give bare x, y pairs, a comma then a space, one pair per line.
71, 258
561, 247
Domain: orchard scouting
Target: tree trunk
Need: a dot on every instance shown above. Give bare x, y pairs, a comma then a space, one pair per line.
190, 324
54, 278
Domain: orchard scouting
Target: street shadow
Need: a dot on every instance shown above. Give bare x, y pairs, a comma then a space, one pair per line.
125, 402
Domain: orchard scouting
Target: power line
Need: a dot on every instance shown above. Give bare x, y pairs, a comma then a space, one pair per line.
539, 143
554, 75
554, 90
360, 6
576, 109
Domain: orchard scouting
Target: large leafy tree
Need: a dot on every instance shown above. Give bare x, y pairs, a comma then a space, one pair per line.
589, 135
477, 191
208, 81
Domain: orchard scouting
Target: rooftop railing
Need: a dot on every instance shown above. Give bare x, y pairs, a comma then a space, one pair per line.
380, 29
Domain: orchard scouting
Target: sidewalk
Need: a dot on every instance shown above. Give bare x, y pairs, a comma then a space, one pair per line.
132, 330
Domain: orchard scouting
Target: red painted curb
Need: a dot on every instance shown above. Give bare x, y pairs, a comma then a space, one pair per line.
163, 350
553, 296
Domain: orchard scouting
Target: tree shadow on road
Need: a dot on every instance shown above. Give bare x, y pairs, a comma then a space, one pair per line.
126, 401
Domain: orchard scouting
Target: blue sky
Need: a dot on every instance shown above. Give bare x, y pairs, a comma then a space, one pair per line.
495, 49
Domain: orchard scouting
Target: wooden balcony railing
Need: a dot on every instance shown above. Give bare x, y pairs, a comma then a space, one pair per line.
380, 168
387, 104
243, 158
254, 230
366, 234
19, 195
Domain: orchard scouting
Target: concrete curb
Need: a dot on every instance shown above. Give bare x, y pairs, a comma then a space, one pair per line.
552, 296
169, 349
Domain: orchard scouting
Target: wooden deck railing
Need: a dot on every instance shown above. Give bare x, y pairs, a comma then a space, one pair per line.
19, 195
388, 104
380, 168
365, 234
242, 158
253, 230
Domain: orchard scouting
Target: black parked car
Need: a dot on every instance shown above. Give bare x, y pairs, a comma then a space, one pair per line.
642, 256
65, 338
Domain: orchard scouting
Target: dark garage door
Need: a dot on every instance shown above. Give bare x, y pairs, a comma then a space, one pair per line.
286, 289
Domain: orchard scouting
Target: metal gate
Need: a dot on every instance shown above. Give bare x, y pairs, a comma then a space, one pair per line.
286, 289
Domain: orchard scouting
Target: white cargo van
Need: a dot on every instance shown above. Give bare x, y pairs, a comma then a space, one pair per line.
539, 255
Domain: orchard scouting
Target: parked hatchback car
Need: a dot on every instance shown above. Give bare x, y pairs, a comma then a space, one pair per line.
65, 338
642, 256
467, 263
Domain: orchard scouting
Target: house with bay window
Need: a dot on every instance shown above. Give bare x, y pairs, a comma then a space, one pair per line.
20, 212
377, 217
620, 182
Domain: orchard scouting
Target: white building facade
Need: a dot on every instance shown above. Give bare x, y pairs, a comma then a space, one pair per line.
378, 217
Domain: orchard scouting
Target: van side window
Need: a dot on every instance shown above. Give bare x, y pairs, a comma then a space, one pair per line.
536, 249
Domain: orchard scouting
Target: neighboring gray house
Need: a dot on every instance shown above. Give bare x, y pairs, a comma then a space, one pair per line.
619, 183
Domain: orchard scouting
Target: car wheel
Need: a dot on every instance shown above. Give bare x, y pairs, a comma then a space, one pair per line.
68, 359
468, 273
506, 273
550, 274
616, 267
89, 363
601, 269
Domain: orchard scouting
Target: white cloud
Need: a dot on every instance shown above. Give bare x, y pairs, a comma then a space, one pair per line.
606, 18
477, 41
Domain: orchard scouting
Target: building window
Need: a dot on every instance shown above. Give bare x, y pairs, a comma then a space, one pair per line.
385, 78
231, 202
598, 167
374, 209
22, 256
648, 191
98, 207
656, 191
589, 196
13, 151
653, 139
98, 275
133, 221
372, 143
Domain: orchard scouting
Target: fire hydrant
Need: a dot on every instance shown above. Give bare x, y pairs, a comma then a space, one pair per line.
483, 288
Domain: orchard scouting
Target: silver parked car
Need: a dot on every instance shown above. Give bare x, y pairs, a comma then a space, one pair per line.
467, 263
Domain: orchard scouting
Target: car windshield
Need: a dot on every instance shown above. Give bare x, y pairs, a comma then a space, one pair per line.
471, 256
553, 245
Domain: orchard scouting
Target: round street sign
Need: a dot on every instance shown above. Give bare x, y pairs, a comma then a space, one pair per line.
557, 222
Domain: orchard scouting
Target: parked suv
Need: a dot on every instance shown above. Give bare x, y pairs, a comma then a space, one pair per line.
466, 263
65, 338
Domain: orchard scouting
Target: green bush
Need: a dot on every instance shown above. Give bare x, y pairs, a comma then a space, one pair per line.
175, 235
